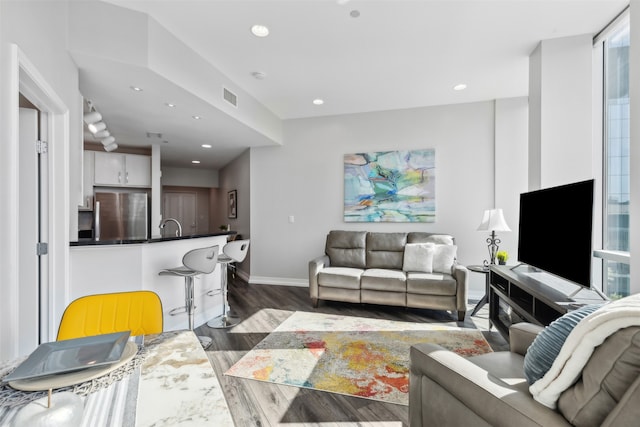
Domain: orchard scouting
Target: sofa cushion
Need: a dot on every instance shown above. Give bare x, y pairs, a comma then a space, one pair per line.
546, 347
418, 257
610, 371
383, 280
438, 239
386, 250
431, 283
444, 256
346, 248
340, 277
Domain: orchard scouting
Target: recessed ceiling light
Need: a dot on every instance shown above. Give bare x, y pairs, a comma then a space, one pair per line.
136, 88
318, 101
195, 162
196, 117
460, 86
354, 13
206, 145
260, 30
170, 105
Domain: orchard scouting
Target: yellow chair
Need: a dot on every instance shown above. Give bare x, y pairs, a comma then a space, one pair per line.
139, 312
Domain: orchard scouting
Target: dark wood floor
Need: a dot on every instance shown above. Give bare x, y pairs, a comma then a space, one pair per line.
255, 403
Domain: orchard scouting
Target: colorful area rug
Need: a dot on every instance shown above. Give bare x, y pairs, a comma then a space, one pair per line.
356, 356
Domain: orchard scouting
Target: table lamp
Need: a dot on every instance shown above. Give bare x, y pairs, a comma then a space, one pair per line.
493, 220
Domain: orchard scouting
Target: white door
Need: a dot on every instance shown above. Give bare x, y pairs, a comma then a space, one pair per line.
181, 206
29, 226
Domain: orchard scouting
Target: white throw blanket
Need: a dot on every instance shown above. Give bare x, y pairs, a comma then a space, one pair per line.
589, 333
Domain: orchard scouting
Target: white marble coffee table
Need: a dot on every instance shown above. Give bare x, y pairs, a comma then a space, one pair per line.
175, 386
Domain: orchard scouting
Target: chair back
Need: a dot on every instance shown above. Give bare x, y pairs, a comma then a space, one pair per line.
236, 249
202, 260
138, 311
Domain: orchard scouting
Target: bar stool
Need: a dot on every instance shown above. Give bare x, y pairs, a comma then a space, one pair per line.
232, 252
195, 262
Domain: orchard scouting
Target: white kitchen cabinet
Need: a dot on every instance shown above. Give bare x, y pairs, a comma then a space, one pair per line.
122, 170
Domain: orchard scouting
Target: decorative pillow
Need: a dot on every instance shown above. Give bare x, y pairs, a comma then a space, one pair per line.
546, 347
418, 257
440, 239
610, 371
444, 256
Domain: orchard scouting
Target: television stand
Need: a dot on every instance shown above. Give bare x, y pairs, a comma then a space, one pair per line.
529, 295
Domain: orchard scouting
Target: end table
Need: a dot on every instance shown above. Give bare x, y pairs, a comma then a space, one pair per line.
484, 270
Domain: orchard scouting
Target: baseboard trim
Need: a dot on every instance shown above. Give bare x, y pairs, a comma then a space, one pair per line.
264, 280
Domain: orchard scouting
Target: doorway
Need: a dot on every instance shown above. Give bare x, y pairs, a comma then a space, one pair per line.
183, 207
33, 219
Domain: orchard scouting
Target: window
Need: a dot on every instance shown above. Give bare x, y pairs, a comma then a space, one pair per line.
616, 141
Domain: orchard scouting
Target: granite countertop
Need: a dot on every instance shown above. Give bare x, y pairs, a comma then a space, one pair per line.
93, 242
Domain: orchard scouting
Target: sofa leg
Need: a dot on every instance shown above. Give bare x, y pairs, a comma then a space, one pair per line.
461, 315
314, 302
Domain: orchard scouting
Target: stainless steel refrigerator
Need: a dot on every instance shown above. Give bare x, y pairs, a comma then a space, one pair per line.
121, 216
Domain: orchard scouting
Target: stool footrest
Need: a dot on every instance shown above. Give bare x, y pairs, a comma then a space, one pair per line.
179, 310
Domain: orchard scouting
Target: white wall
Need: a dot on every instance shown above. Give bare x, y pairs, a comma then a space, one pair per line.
304, 179
236, 176
186, 177
511, 166
560, 135
38, 28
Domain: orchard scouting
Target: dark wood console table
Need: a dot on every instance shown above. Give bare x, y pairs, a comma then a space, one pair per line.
524, 294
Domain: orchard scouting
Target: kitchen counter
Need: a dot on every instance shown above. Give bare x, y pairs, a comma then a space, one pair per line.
93, 242
118, 266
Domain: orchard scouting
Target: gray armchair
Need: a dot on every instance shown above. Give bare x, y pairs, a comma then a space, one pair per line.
491, 389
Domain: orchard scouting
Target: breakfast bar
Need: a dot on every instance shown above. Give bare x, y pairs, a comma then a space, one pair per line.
118, 266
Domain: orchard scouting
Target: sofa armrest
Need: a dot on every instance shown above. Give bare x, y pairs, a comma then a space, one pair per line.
315, 265
461, 274
446, 389
521, 335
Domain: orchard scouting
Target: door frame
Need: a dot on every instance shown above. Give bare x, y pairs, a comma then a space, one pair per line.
19, 75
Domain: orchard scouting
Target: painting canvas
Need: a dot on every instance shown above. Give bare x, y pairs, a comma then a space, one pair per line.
232, 204
390, 186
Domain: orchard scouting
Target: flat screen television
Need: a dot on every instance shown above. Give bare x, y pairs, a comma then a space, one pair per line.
555, 230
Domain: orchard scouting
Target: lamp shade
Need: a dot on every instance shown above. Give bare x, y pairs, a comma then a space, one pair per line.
493, 220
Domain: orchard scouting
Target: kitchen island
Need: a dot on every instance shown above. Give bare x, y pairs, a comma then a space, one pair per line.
99, 266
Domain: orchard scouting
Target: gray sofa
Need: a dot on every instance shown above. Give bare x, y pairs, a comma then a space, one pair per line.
446, 389
368, 267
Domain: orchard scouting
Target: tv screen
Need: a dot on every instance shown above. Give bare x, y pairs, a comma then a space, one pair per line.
555, 230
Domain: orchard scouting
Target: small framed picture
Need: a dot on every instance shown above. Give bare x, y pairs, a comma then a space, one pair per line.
232, 208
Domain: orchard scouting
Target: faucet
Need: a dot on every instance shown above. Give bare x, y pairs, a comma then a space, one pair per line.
163, 223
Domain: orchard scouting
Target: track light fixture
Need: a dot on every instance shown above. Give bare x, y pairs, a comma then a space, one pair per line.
102, 134
92, 117
96, 127
108, 141
111, 147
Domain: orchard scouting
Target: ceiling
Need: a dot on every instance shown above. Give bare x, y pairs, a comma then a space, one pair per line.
396, 54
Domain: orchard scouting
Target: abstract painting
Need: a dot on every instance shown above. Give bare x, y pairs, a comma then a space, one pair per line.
390, 186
